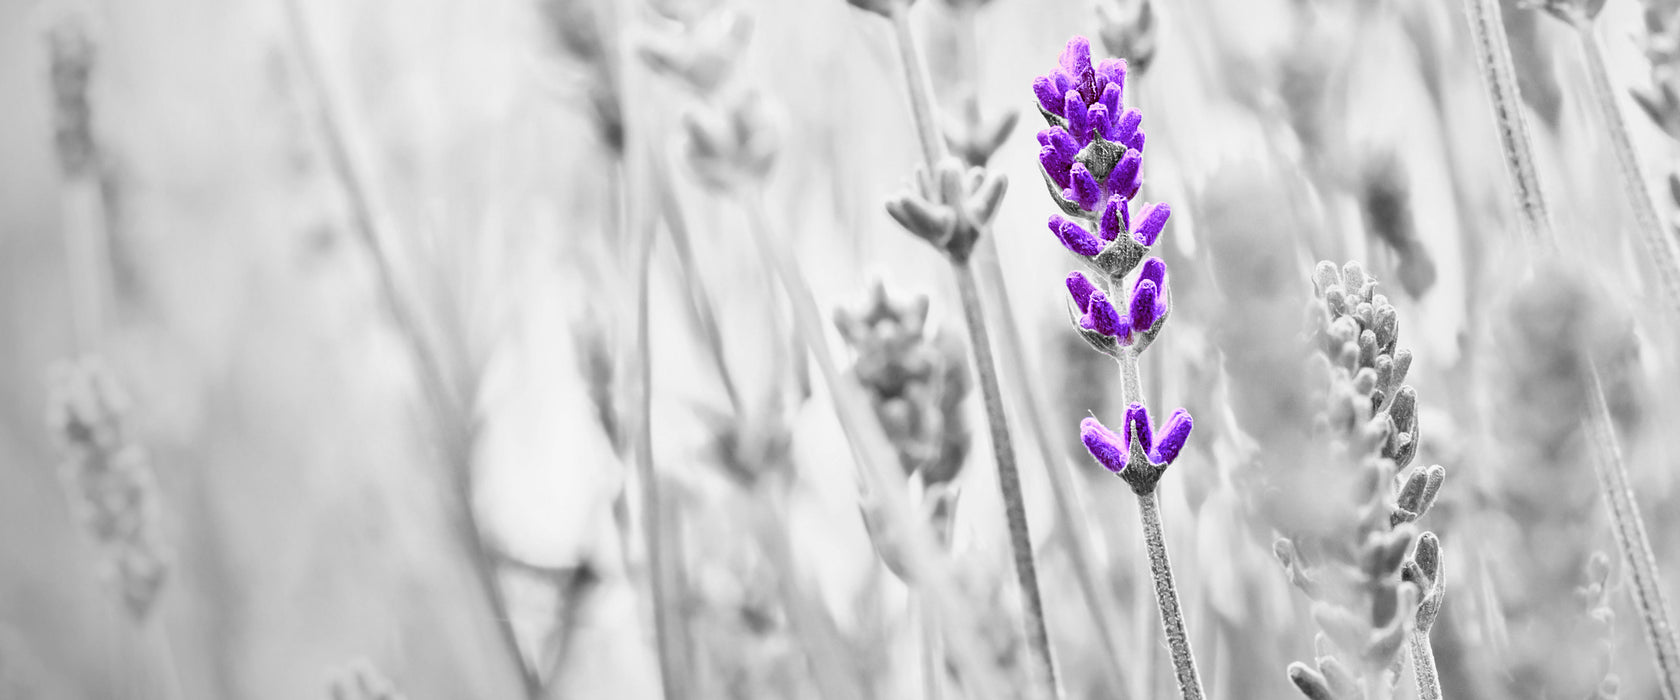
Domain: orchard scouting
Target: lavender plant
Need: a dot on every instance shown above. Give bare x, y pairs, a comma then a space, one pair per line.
949, 206
1494, 58
1349, 553
1091, 157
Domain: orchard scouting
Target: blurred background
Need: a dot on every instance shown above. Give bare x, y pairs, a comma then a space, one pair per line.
322, 328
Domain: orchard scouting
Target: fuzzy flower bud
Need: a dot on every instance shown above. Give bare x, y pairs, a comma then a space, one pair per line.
1142, 453
949, 207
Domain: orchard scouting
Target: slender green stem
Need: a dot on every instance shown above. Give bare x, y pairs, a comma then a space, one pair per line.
1166, 597
1423, 666
1493, 54
1009, 478
1663, 250
1635, 544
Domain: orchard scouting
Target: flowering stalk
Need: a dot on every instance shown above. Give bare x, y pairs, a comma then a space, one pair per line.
976, 138
1091, 159
949, 209
448, 390
1494, 56
1664, 250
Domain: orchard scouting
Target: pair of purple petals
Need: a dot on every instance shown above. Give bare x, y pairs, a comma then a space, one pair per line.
1058, 154
1114, 451
1115, 220
1145, 308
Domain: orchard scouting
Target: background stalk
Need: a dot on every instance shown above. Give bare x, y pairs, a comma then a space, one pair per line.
1663, 249
369, 220
877, 467
1009, 478
1493, 53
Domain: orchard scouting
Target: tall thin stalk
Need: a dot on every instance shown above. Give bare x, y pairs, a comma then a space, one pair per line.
876, 465
1009, 479
1160, 567
1493, 53
1662, 248
369, 220
1423, 667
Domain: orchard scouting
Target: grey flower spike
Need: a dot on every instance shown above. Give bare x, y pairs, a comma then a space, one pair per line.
1424, 571
949, 207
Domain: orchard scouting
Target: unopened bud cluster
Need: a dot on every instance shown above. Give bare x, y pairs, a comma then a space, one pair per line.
917, 381
1373, 578
732, 132
109, 480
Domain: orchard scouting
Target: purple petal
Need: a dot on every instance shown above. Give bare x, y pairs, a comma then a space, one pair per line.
1131, 189
1123, 173
1112, 71
1102, 317
1075, 237
1113, 219
1137, 426
1078, 121
1154, 220
1103, 444
1061, 140
1076, 60
1100, 123
1126, 126
1081, 288
1173, 436
1110, 101
1136, 141
1155, 270
1144, 298
1055, 166
1084, 189
1048, 96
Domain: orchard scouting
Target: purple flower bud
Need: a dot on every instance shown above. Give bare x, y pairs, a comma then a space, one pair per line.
1083, 189
1076, 61
1113, 221
1078, 121
1100, 123
1126, 124
1081, 288
1154, 220
1102, 317
1103, 444
1155, 270
1055, 166
1112, 71
1048, 96
1135, 142
1137, 426
1173, 436
1145, 296
1075, 237
1124, 172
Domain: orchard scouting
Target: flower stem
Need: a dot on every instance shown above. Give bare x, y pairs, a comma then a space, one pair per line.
1069, 508
1423, 666
1009, 478
1662, 249
673, 653
877, 466
1166, 596
1635, 544
1493, 54
916, 81
449, 406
